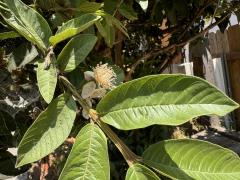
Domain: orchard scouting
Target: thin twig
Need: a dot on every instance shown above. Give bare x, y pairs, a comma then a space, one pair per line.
128, 155
74, 92
160, 51
198, 14
215, 11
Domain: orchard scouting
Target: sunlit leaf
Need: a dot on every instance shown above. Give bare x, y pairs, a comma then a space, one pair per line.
73, 27
8, 35
48, 131
192, 159
89, 156
47, 80
162, 99
27, 22
140, 172
76, 51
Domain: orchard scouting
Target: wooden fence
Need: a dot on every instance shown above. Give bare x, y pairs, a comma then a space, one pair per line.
227, 47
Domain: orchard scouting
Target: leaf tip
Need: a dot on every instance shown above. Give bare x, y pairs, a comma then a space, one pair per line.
19, 162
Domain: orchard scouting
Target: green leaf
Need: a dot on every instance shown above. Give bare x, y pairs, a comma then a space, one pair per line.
101, 29
110, 35
143, 4
76, 51
89, 156
9, 34
127, 12
47, 80
89, 7
107, 31
162, 99
74, 27
192, 159
16, 24
112, 21
48, 131
140, 172
27, 22
110, 6
119, 74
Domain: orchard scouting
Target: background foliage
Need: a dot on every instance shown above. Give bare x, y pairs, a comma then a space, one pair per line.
139, 38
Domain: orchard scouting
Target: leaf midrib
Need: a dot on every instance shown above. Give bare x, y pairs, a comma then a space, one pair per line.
89, 152
66, 29
62, 109
26, 26
149, 106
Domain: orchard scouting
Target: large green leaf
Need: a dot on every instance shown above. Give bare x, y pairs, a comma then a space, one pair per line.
47, 80
162, 99
193, 159
27, 22
74, 27
16, 24
106, 27
89, 156
140, 172
48, 131
76, 51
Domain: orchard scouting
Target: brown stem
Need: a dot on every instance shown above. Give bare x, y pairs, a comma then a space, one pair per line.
128, 155
74, 92
118, 49
198, 14
118, 44
166, 49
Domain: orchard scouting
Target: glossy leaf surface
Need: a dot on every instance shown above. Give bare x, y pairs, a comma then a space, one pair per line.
47, 81
76, 51
27, 22
8, 35
162, 99
48, 131
192, 159
73, 27
140, 172
89, 156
